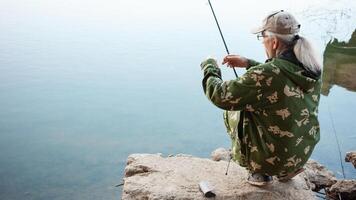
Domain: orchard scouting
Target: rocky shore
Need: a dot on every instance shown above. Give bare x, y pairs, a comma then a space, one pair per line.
154, 177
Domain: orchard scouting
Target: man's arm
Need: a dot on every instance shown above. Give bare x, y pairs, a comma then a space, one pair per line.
245, 92
252, 63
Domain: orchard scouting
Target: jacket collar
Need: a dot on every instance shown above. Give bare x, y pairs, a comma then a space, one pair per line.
289, 56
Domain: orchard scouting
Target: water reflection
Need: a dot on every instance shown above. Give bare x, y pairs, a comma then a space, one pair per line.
340, 65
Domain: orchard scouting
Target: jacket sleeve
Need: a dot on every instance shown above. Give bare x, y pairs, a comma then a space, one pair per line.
244, 93
252, 63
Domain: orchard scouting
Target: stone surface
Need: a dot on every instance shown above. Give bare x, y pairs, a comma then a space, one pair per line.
220, 154
351, 157
343, 189
318, 176
153, 177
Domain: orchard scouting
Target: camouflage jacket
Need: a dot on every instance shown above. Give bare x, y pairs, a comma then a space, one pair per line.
271, 113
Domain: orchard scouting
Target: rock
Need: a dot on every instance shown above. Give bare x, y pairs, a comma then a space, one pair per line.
351, 157
153, 177
220, 154
318, 176
343, 189
183, 155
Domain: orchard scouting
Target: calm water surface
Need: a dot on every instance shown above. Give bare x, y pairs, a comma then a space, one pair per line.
83, 84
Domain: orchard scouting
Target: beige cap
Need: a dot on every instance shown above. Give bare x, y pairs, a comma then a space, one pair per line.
279, 22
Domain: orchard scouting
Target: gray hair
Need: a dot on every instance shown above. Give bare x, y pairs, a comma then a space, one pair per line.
303, 50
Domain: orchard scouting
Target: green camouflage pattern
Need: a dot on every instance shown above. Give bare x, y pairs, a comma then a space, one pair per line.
271, 114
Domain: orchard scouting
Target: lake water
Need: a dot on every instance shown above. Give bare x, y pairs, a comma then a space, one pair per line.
83, 84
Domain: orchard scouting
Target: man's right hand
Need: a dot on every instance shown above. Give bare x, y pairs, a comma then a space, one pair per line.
235, 61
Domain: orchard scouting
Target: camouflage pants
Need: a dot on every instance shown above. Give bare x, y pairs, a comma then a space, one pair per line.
231, 120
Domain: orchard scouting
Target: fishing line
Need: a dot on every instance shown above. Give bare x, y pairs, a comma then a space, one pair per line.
222, 37
337, 140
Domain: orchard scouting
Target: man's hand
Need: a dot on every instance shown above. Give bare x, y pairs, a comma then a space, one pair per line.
235, 61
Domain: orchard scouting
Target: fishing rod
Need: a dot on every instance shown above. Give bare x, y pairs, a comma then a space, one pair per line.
222, 37
228, 53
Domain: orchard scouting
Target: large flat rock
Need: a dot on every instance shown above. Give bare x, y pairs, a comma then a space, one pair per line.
151, 177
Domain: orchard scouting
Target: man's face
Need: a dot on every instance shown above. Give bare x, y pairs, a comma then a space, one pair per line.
270, 43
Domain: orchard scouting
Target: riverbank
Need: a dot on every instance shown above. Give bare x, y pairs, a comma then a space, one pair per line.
152, 176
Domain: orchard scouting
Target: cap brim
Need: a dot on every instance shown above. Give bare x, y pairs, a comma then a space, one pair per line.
257, 30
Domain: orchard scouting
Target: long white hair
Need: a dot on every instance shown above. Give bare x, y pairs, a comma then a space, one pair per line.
303, 50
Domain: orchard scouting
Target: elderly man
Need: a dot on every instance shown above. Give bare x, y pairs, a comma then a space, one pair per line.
271, 110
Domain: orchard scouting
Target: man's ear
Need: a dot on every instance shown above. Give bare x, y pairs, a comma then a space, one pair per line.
275, 43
